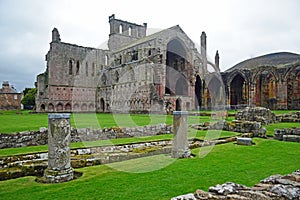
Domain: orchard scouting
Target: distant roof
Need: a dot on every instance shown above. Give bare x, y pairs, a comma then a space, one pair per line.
273, 59
8, 88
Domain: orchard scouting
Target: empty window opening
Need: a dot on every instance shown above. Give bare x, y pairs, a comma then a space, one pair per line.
106, 59
129, 31
134, 56
86, 69
121, 28
93, 69
70, 67
77, 67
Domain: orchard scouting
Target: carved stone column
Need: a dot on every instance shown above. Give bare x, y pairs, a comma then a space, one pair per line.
180, 129
59, 137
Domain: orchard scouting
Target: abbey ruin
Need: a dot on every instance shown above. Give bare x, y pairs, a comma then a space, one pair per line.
151, 73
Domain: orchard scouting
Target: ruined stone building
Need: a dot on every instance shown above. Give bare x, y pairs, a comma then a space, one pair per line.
137, 73
10, 99
152, 73
271, 81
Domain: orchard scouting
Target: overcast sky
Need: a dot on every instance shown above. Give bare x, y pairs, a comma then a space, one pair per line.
239, 29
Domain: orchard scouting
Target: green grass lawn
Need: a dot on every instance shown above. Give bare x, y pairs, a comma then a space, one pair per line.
24, 120
228, 162
159, 177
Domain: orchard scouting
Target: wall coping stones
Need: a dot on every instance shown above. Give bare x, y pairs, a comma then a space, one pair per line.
59, 116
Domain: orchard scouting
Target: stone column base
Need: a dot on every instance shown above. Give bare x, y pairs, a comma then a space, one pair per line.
181, 153
52, 176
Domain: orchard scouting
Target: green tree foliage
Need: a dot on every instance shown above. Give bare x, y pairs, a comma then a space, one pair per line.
29, 98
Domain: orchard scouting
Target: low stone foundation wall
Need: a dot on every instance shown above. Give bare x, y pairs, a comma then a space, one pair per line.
235, 125
34, 164
34, 138
287, 134
273, 187
289, 117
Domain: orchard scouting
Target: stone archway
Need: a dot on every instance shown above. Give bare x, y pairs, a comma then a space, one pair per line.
59, 107
102, 105
91, 107
68, 107
50, 107
43, 107
83, 107
293, 90
239, 94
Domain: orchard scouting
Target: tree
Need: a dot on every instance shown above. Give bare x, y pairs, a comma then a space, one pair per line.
29, 98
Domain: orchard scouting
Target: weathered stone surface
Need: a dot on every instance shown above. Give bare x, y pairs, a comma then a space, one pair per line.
287, 134
59, 137
180, 143
276, 187
244, 141
236, 126
289, 117
185, 197
227, 188
258, 114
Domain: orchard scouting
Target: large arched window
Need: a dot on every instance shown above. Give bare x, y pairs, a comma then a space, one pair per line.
176, 72
238, 90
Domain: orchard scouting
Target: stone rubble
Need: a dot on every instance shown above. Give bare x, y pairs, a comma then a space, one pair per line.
287, 134
289, 117
258, 114
238, 126
276, 187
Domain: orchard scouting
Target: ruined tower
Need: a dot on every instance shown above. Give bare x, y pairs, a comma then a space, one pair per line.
123, 32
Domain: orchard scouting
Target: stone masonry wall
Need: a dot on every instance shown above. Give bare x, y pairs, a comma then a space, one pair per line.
34, 138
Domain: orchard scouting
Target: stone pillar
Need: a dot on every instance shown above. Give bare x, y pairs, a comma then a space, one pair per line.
281, 95
180, 129
59, 137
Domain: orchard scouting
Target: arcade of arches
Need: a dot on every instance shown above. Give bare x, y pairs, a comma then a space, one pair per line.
271, 87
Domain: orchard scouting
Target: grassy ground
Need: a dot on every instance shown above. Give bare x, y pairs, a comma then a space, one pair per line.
162, 177
228, 162
16, 121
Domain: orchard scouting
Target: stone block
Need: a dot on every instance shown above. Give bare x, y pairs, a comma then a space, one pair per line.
180, 127
244, 141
